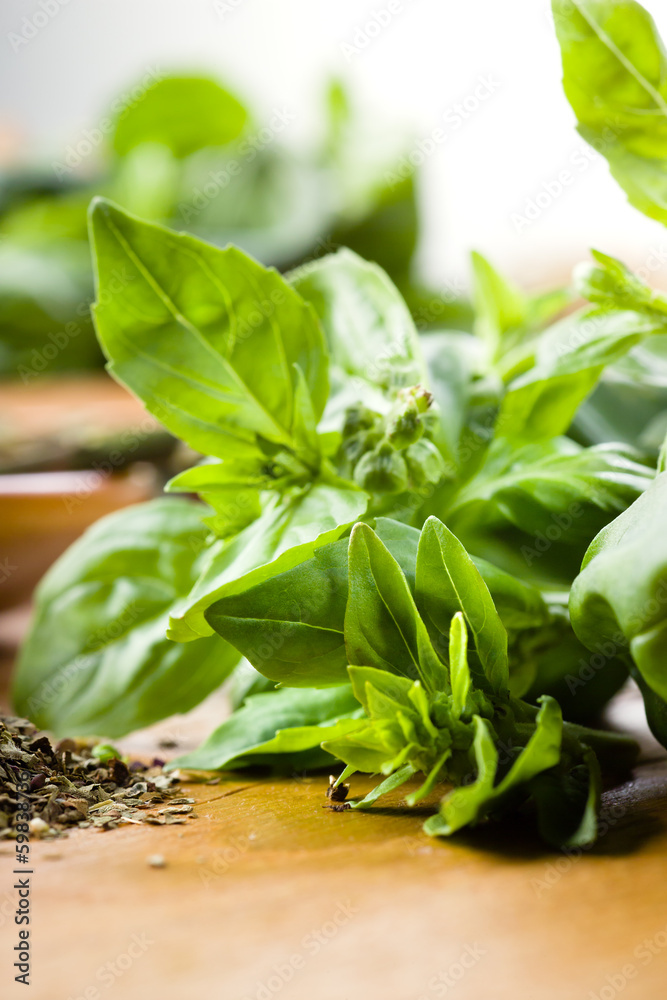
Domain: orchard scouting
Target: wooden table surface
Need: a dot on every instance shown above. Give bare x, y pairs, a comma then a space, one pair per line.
268, 894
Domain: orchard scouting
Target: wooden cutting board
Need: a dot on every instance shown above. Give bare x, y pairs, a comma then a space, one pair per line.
268, 894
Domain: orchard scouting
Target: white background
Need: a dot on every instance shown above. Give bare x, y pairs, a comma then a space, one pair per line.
429, 57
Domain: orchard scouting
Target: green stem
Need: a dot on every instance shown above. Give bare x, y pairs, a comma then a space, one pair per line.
613, 750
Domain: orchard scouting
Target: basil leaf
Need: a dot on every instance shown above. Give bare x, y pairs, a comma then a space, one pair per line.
184, 113
211, 476
500, 308
448, 581
470, 803
451, 359
568, 803
287, 532
459, 671
283, 729
382, 626
615, 78
394, 781
654, 705
519, 604
393, 687
368, 327
290, 624
571, 356
551, 660
619, 598
186, 328
532, 485
96, 660
609, 282
362, 748
232, 488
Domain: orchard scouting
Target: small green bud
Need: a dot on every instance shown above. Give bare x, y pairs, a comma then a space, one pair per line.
425, 463
406, 428
382, 470
358, 418
418, 396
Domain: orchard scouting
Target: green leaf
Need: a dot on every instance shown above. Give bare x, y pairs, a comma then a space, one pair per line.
448, 581
184, 324
551, 660
369, 330
96, 660
394, 780
470, 803
654, 705
571, 356
609, 282
232, 488
530, 486
568, 803
619, 600
389, 684
290, 624
500, 308
280, 728
383, 628
451, 359
459, 672
431, 780
363, 748
184, 113
519, 604
288, 532
615, 78
466, 804
211, 476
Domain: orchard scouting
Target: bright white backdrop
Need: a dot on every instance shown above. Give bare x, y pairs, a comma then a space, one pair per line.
411, 62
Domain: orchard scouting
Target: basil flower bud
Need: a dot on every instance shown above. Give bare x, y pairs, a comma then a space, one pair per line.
382, 471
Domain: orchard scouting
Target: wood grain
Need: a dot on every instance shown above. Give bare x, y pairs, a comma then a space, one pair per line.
268, 894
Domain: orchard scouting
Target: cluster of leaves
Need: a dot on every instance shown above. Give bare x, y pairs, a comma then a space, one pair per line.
185, 151
368, 500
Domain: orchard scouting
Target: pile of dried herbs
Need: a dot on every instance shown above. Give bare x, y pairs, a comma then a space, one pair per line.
72, 784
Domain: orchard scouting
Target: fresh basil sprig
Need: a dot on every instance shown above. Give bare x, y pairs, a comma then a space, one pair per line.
391, 524
433, 707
